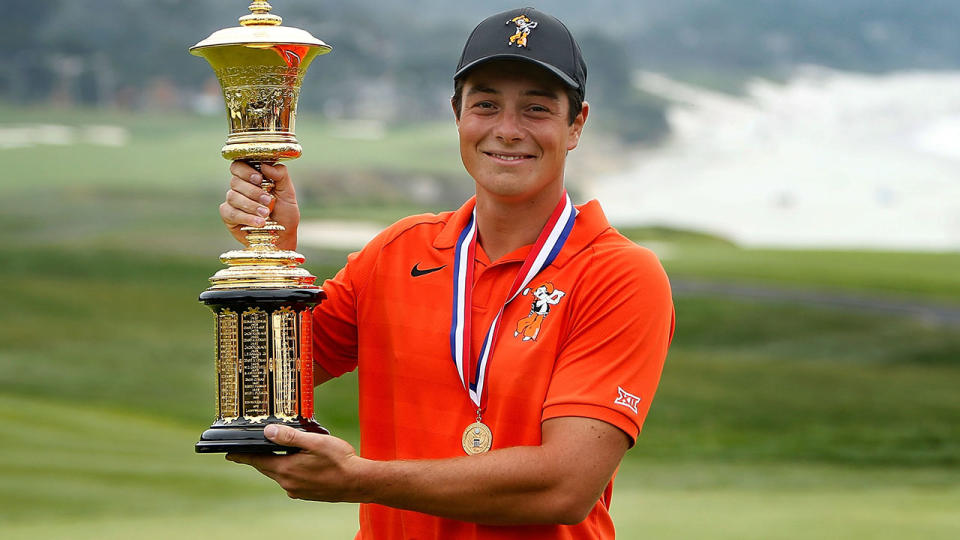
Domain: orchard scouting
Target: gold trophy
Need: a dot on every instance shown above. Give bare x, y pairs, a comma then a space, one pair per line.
262, 301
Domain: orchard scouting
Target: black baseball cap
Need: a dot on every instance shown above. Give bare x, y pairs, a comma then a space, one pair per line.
529, 35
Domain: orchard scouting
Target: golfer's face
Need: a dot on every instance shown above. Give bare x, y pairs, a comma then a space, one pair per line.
514, 130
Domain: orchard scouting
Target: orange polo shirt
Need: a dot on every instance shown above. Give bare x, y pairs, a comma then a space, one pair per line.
594, 351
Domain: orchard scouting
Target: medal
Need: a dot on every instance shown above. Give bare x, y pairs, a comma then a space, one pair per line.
478, 438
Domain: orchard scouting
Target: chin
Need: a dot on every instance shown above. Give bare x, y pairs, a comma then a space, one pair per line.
512, 192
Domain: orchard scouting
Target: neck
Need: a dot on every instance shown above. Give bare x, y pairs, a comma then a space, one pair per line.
504, 226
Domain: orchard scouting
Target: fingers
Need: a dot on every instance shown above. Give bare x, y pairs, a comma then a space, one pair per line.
276, 468
250, 190
246, 203
287, 436
268, 465
245, 172
326, 469
276, 172
257, 460
235, 217
281, 179
242, 202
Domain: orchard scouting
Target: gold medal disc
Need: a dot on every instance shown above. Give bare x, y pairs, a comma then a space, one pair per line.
477, 439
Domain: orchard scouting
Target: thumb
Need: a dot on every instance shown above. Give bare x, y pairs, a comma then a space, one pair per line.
281, 178
287, 436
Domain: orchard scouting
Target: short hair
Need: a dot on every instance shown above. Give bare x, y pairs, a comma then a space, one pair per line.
574, 97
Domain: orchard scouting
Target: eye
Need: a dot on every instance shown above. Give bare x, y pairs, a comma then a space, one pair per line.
539, 109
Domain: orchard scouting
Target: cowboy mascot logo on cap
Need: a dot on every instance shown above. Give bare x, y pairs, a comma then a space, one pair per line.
524, 26
544, 296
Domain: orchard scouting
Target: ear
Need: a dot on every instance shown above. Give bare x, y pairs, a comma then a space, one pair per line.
576, 128
456, 113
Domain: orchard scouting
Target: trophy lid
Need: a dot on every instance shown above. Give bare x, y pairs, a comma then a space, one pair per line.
261, 29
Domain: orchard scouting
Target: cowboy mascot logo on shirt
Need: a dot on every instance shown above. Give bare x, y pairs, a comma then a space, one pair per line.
544, 296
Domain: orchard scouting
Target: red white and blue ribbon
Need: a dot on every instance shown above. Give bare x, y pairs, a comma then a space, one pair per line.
473, 374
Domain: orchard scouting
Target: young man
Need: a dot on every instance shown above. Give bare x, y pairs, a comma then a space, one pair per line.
472, 428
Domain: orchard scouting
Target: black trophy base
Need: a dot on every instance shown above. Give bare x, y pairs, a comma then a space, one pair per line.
248, 440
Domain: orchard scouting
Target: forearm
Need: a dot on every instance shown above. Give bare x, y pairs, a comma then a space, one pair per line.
519, 485
557, 482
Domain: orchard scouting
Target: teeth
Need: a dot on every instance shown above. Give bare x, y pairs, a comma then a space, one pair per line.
507, 158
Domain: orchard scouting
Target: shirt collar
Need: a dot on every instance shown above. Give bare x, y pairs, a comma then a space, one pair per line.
590, 223
455, 223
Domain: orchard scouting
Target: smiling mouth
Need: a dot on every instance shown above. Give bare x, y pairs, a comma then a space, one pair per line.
509, 157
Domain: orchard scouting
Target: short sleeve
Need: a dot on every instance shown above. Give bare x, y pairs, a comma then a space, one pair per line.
335, 318
618, 333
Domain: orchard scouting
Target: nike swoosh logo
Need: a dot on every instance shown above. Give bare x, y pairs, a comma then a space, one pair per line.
416, 271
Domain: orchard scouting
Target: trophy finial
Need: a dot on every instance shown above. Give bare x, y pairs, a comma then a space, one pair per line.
260, 15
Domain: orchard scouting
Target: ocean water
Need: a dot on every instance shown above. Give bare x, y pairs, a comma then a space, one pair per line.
827, 159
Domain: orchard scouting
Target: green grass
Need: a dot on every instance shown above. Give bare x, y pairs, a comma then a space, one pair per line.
76, 471
180, 151
929, 276
796, 501
110, 328
267, 517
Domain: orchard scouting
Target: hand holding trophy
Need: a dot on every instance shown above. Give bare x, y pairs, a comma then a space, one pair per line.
263, 300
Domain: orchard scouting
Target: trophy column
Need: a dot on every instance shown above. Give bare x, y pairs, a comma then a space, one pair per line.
263, 365
262, 301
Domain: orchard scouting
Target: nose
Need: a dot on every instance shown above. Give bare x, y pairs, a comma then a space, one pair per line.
508, 127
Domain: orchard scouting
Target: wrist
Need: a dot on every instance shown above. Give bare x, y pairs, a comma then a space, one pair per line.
367, 477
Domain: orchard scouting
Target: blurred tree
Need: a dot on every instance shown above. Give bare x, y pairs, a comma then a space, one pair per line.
23, 70
393, 61
616, 104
